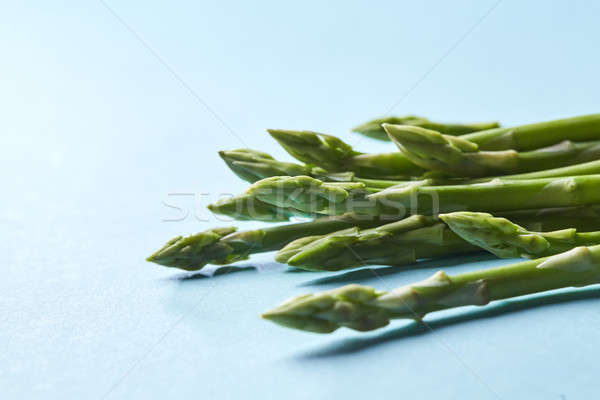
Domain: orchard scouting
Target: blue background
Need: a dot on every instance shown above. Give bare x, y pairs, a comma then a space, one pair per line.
111, 116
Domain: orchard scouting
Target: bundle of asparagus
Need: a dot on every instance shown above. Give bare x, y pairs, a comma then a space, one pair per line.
432, 198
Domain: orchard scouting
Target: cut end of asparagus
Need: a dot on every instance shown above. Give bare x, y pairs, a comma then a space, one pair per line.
193, 252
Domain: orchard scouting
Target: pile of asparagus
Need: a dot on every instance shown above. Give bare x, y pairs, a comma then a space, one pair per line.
433, 197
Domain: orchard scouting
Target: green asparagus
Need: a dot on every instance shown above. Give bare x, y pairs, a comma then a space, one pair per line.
397, 243
508, 240
404, 242
459, 157
363, 308
248, 208
253, 165
493, 196
542, 134
306, 194
226, 245
373, 128
332, 154
309, 196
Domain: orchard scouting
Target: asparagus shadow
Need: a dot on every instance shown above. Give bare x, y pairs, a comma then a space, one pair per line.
362, 274
349, 346
221, 271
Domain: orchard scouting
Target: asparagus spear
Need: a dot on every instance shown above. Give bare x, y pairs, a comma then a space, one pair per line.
508, 240
332, 154
373, 128
404, 242
227, 245
459, 157
308, 195
311, 196
363, 308
397, 243
542, 134
493, 196
587, 168
248, 165
245, 207
253, 165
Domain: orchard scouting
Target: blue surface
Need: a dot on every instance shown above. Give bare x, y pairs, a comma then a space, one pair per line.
99, 133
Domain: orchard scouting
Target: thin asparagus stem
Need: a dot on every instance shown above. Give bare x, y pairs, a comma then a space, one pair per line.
363, 308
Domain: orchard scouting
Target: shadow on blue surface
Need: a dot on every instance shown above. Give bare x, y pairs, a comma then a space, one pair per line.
349, 346
368, 273
221, 271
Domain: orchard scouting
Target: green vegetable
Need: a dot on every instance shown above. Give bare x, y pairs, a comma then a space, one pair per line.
508, 240
308, 196
542, 134
253, 165
493, 196
334, 155
373, 128
459, 157
363, 308
226, 245
404, 242
397, 243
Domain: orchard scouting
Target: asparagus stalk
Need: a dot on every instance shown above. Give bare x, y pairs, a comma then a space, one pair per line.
404, 242
307, 196
542, 134
253, 165
398, 243
508, 240
493, 196
459, 157
227, 245
363, 308
587, 168
332, 154
245, 207
374, 130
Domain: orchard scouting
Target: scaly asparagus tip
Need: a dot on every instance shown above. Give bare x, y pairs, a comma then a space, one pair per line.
193, 252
